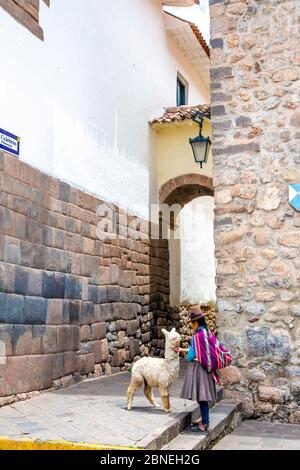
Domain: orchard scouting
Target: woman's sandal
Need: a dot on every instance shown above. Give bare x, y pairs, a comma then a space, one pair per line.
198, 426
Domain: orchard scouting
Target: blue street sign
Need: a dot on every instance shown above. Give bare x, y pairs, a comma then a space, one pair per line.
9, 142
294, 196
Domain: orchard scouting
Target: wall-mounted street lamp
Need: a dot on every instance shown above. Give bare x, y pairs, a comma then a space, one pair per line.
200, 144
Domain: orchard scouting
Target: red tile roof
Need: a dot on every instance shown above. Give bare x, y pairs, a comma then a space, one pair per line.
181, 113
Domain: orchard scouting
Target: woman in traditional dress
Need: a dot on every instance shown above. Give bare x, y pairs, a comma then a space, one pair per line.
199, 384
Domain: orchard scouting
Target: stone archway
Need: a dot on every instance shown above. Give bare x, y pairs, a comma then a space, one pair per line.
184, 188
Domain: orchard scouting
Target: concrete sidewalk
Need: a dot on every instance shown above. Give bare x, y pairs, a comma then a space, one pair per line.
92, 411
255, 435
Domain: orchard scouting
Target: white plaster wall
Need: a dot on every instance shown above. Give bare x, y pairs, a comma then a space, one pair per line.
197, 251
81, 101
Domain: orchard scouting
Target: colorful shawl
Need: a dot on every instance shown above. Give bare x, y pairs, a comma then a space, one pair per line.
211, 354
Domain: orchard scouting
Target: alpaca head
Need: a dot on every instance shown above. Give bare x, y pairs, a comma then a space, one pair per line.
172, 338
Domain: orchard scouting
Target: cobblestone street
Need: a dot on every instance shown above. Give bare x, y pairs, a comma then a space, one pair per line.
254, 435
93, 411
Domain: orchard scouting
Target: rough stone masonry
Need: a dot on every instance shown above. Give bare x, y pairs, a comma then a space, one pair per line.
256, 118
71, 304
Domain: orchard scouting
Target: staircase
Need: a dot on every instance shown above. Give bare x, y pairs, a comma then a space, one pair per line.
225, 415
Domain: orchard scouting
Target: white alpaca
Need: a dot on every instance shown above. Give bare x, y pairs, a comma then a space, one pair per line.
154, 372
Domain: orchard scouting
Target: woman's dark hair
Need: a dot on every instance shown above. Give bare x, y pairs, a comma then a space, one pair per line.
202, 322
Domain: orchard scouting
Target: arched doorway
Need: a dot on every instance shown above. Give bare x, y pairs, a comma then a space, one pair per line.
191, 241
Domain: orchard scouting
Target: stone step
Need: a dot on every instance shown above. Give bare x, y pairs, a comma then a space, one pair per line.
224, 417
178, 422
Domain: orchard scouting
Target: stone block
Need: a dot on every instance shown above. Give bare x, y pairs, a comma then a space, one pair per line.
71, 362
106, 313
12, 251
234, 342
103, 346
85, 333
22, 340
295, 389
40, 368
6, 337
93, 294
272, 394
246, 398
121, 325
98, 331
74, 312
28, 373
64, 191
114, 274
265, 343
66, 312
73, 287
132, 327
119, 357
7, 276
54, 315
35, 309
294, 417
146, 337
134, 348
229, 375
38, 332
113, 294
21, 280
58, 366
53, 285
87, 313
15, 309
67, 381
49, 340
67, 338
292, 371
102, 295
86, 348
255, 375
86, 364
3, 307
35, 283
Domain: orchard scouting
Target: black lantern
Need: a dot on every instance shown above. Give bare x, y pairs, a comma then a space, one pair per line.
200, 144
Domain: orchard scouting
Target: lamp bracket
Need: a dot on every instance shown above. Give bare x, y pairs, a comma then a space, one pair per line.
199, 118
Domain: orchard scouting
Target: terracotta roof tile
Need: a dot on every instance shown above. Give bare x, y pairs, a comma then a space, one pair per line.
181, 113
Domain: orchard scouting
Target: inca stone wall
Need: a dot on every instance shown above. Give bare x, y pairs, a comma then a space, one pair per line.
71, 304
256, 118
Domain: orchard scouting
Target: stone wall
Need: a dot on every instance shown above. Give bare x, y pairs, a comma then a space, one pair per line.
71, 304
26, 12
256, 118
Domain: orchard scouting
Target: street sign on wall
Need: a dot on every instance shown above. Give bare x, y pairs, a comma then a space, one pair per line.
9, 142
294, 196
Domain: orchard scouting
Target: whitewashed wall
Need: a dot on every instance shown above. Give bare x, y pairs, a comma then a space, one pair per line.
81, 101
197, 252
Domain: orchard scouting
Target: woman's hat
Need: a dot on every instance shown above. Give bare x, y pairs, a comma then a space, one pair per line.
196, 313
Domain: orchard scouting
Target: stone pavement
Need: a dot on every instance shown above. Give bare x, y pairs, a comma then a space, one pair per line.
92, 411
255, 435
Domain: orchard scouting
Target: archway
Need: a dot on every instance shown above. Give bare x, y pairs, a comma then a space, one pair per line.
193, 240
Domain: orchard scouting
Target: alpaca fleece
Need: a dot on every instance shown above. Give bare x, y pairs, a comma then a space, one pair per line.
157, 373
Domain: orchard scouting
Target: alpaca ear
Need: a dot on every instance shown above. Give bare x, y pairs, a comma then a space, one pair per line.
173, 330
165, 332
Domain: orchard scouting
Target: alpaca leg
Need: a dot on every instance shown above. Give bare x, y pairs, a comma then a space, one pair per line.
135, 384
149, 395
164, 394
